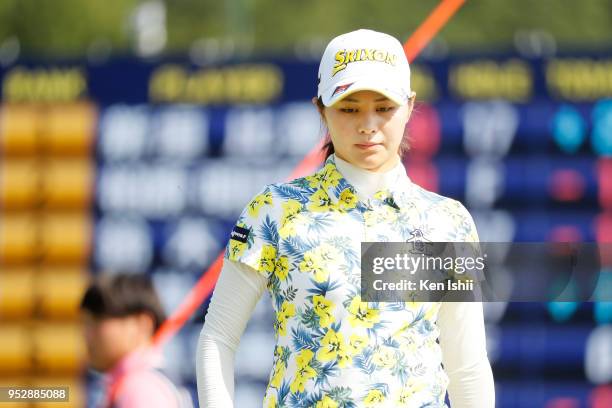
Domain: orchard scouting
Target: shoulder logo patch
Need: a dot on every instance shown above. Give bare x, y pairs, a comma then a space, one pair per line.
240, 234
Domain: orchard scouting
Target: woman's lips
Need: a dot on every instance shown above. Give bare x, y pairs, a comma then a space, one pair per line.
366, 146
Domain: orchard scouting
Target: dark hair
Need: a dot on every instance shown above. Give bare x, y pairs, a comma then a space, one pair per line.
328, 147
122, 295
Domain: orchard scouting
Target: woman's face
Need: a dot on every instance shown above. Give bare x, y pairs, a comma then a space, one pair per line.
366, 129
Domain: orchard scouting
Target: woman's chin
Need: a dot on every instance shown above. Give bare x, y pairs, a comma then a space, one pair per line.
372, 162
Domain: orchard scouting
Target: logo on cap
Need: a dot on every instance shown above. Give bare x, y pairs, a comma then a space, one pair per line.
345, 57
341, 89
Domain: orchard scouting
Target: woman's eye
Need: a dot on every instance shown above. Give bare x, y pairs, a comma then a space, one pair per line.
347, 110
385, 109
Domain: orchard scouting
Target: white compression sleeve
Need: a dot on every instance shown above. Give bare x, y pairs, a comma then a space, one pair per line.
235, 296
464, 355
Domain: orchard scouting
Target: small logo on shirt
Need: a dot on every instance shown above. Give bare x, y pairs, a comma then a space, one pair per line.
240, 234
420, 244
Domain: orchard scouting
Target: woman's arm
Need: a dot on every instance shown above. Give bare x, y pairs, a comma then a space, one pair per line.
464, 355
235, 296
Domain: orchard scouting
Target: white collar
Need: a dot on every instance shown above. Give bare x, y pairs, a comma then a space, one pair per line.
367, 183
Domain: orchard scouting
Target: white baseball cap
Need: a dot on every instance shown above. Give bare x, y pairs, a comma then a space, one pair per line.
364, 60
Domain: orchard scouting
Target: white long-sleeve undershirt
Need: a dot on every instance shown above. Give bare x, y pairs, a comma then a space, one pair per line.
239, 288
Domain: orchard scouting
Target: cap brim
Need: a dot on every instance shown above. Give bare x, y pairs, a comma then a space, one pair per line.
382, 87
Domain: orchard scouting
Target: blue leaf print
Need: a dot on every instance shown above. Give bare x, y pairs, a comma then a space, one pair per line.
342, 395
400, 369
288, 192
330, 369
363, 361
299, 400
336, 326
312, 399
309, 318
321, 288
283, 391
295, 247
318, 222
356, 215
345, 246
302, 339
383, 387
391, 342
395, 306
269, 231
304, 185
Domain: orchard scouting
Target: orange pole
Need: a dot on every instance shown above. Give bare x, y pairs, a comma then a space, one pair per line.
204, 287
430, 27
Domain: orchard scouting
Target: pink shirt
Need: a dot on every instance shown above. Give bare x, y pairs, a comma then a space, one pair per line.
139, 384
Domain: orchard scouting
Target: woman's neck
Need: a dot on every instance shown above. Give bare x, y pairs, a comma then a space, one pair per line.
367, 182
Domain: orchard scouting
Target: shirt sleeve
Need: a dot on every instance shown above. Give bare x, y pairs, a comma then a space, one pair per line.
254, 238
464, 355
235, 296
463, 340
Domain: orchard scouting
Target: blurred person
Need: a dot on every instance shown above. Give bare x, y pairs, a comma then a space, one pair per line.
301, 240
120, 316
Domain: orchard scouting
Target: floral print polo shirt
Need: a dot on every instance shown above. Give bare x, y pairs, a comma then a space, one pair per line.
332, 349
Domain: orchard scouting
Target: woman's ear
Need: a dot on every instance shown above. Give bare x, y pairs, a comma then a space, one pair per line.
411, 100
410, 106
320, 109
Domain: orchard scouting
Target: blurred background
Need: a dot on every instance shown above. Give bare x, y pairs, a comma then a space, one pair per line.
133, 132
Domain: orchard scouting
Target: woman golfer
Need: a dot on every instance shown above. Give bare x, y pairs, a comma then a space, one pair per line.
301, 241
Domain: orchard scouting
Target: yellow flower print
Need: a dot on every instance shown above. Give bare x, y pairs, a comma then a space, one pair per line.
303, 358
272, 401
333, 348
361, 315
317, 261
320, 202
281, 269
277, 374
304, 370
408, 341
357, 343
268, 258
373, 398
327, 177
384, 357
331, 176
327, 253
348, 200
407, 392
287, 310
257, 202
289, 218
381, 194
236, 249
326, 402
323, 308
314, 181
290, 208
313, 263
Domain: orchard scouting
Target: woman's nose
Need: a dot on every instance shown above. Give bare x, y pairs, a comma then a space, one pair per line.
367, 125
